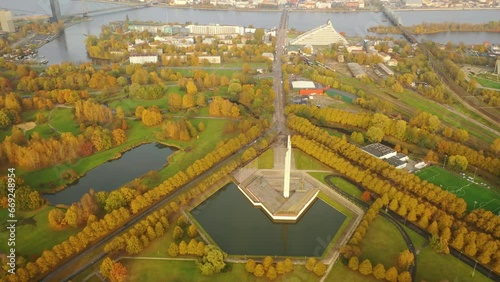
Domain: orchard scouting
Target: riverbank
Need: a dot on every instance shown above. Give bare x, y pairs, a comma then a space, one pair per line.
292, 9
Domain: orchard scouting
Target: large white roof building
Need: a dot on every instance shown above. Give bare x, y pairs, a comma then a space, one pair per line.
320, 36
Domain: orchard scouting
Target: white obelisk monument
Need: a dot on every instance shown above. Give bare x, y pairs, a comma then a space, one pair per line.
288, 160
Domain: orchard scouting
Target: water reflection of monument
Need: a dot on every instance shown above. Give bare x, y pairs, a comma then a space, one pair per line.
284, 194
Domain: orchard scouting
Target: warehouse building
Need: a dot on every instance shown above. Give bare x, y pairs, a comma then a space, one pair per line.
356, 70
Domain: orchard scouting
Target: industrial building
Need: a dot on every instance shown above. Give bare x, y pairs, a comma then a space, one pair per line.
379, 151
303, 84
323, 35
356, 70
385, 69
389, 155
6, 21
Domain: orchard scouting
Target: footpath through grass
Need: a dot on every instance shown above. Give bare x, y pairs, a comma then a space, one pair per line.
382, 243
182, 271
475, 194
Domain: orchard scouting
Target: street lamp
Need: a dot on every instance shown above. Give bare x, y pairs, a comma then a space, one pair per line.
474, 271
475, 202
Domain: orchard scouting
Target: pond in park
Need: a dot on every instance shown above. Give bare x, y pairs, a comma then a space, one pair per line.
239, 228
115, 173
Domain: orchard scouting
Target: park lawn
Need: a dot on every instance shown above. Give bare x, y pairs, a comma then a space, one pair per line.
129, 104
39, 179
333, 132
44, 130
434, 267
343, 184
341, 272
196, 148
382, 243
306, 162
488, 199
63, 119
34, 235
266, 159
181, 271
487, 83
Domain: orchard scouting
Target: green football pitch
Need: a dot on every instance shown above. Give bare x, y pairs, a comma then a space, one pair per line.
474, 192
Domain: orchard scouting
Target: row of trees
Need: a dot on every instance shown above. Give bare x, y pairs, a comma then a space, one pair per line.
424, 197
269, 268
39, 153
379, 271
420, 130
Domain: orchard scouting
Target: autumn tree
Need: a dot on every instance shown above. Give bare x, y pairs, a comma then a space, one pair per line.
391, 274
267, 262
374, 134
458, 163
178, 233
404, 277
56, 218
106, 267
405, 259
271, 273
310, 263
192, 231
119, 136
259, 270
118, 273
250, 266
173, 249
353, 263
213, 260
379, 271
183, 248
319, 268
288, 265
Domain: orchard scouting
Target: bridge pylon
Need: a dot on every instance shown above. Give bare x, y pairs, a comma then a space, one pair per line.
85, 10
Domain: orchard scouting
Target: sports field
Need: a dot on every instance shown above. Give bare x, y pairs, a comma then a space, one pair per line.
476, 194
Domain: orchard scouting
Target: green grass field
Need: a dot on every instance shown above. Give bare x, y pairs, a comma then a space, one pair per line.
266, 160
340, 182
488, 81
182, 271
382, 243
33, 233
63, 120
306, 162
342, 273
473, 193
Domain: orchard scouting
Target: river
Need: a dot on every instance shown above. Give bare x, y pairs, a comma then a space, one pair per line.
70, 45
115, 173
239, 228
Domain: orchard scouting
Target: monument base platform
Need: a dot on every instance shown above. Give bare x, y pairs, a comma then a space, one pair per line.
264, 189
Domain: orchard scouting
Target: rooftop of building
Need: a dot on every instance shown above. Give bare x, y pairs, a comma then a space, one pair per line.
378, 150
